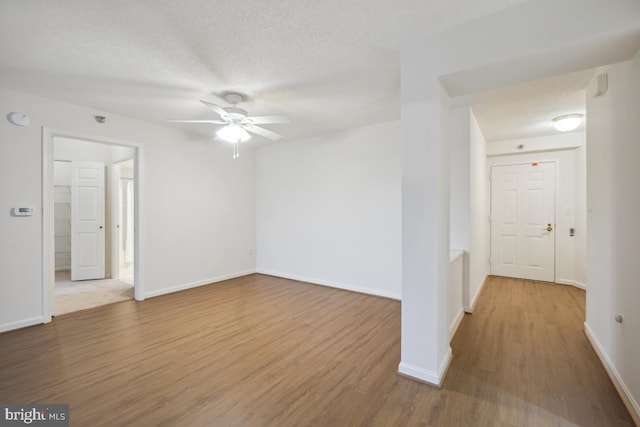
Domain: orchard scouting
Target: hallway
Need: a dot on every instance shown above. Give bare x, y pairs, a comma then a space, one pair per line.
522, 359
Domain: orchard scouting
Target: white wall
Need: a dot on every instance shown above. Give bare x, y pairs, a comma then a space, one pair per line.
459, 211
329, 212
426, 199
459, 141
580, 217
62, 214
538, 144
62, 172
78, 150
613, 200
568, 152
469, 205
126, 169
478, 214
456, 277
212, 239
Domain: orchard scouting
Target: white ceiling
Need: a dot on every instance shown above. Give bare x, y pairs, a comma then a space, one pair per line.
330, 65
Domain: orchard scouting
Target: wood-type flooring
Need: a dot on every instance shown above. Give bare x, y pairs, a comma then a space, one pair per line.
264, 351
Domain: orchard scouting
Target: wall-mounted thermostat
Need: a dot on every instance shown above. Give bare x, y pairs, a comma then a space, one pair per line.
23, 211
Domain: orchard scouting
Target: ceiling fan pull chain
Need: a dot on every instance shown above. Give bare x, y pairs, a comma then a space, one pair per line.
236, 150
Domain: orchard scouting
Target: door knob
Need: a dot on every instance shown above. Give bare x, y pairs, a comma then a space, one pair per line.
549, 227
100, 227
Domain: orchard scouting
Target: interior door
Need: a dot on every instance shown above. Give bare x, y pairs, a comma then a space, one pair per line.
523, 221
87, 221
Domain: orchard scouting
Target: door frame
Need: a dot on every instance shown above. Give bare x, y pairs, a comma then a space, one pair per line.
555, 208
48, 227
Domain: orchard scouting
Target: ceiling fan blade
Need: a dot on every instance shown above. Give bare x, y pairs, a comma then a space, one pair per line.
264, 120
218, 109
215, 122
263, 132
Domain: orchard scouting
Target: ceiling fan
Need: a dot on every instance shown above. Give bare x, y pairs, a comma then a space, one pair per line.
237, 123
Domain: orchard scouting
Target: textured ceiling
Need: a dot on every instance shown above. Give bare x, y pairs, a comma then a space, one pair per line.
526, 110
329, 65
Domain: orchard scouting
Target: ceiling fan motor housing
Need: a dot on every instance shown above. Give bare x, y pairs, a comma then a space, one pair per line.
234, 98
236, 113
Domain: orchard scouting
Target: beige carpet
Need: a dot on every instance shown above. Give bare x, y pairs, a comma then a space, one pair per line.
80, 295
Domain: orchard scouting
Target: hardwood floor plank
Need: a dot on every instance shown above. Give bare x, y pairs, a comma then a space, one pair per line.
264, 351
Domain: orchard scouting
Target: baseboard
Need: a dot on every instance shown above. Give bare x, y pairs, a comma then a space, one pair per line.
21, 323
346, 287
616, 379
195, 284
455, 324
572, 283
423, 375
63, 268
474, 301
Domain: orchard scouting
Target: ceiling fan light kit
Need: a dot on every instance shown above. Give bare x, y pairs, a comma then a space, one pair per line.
233, 133
237, 123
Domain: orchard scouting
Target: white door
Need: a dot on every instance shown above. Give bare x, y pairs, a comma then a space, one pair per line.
87, 221
523, 221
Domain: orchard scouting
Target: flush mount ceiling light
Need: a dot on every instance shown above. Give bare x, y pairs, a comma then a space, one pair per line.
567, 123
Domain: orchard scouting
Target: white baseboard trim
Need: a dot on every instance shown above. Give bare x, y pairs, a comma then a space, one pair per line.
424, 375
455, 324
21, 323
616, 379
195, 284
343, 286
572, 283
474, 300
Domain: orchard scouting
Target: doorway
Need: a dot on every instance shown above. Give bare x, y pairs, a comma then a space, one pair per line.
93, 187
522, 221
